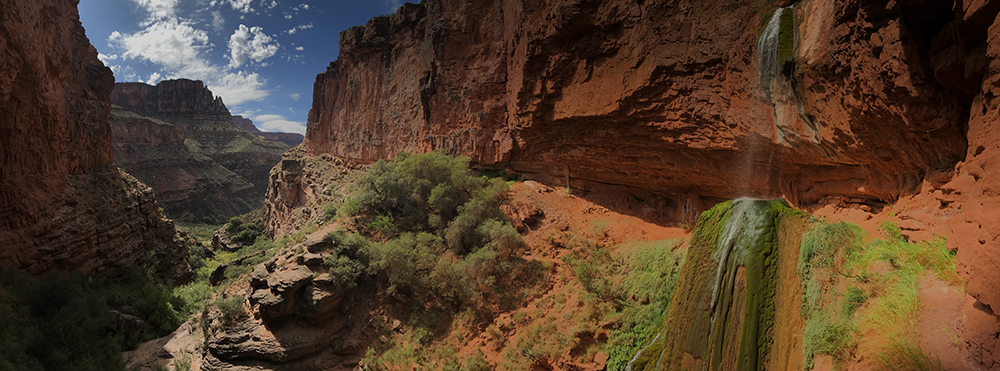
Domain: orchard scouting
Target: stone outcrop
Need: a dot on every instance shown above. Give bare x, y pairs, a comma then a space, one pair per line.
291, 139
207, 123
191, 187
61, 204
301, 318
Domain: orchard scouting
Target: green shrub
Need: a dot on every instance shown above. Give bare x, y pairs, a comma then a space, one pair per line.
232, 308
476, 363
330, 212
825, 337
61, 321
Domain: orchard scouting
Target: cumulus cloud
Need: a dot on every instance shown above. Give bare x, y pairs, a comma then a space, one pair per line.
250, 43
242, 6
299, 48
273, 4
239, 87
153, 78
179, 49
295, 96
279, 123
158, 9
106, 58
295, 29
171, 43
124, 73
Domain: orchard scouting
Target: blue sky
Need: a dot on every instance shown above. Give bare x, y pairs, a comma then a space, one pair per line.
260, 56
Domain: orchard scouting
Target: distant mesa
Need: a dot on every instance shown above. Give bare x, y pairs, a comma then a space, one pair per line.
207, 131
291, 139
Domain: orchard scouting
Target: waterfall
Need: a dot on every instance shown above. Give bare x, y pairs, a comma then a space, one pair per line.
730, 272
749, 224
776, 61
767, 50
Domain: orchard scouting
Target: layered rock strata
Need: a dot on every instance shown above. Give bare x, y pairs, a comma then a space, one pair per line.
207, 123
291, 139
191, 187
671, 101
657, 97
61, 204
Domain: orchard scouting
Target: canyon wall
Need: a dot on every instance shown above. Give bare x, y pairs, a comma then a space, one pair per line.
682, 104
190, 186
61, 204
207, 123
291, 139
654, 97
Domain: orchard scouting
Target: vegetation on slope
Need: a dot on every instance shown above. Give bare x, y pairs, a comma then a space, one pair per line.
61, 321
856, 292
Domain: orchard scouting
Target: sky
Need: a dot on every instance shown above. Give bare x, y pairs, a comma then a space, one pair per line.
260, 56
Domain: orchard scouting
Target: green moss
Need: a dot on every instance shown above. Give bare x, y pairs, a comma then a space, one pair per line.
786, 42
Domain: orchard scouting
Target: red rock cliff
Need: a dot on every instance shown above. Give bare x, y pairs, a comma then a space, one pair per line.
61, 205
207, 124
656, 96
191, 187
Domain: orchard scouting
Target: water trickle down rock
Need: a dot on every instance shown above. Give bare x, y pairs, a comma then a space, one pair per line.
776, 61
722, 313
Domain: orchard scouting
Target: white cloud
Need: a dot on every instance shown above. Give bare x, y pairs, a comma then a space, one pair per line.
153, 78
273, 4
242, 6
272, 122
217, 21
299, 48
171, 43
288, 16
304, 6
158, 9
250, 43
124, 73
295, 29
240, 87
179, 49
295, 96
106, 58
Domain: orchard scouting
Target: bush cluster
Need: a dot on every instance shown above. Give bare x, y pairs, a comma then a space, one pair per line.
60, 321
428, 228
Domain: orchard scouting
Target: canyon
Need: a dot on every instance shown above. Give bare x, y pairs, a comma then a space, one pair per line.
192, 187
208, 126
625, 122
869, 106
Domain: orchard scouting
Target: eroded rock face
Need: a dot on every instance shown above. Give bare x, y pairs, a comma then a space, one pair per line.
654, 96
291, 139
61, 204
207, 123
301, 317
191, 187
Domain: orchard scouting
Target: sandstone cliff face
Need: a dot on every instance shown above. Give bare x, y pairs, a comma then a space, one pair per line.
291, 139
661, 97
61, 205
191, 187
670, 100
207, 124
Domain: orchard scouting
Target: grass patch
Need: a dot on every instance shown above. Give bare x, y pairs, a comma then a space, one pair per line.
853, 287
